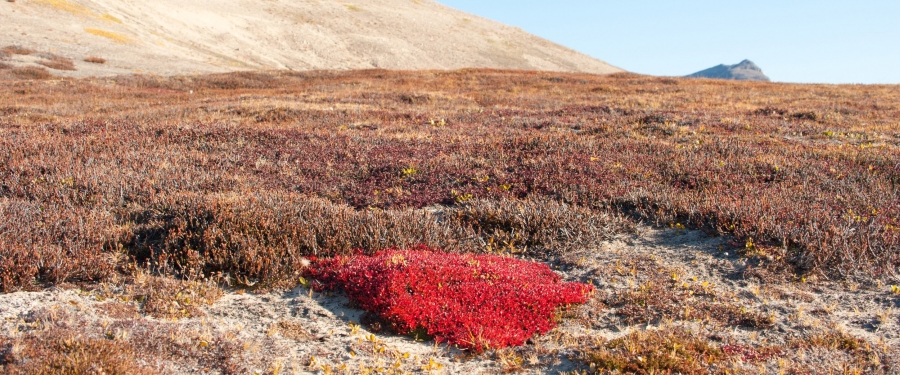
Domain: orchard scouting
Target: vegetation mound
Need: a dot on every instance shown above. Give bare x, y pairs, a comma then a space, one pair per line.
472, 301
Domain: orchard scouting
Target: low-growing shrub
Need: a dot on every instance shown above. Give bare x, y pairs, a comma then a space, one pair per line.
95, 60
17, 50
261, 239
31, 72
60, 244
539, 226
473, 301
57, 62
753, 172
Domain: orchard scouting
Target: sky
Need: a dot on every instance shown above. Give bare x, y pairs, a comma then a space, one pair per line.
822, 41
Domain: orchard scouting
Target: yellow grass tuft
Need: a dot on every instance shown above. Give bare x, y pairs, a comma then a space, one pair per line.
108, 34
67, 6
110, 18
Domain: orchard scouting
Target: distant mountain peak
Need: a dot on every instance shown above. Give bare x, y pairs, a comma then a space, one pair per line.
743, 71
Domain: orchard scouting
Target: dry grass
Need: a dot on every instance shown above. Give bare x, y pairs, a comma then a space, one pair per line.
169, 298
662, 294
668, 351
118, 38
675, 350
855, 355
66, 6
58, 341
158, 297
64, 351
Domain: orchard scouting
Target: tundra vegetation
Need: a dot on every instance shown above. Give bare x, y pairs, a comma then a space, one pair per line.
163, 193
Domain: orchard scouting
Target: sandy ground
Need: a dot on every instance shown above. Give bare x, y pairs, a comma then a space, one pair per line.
170, 37
299, 331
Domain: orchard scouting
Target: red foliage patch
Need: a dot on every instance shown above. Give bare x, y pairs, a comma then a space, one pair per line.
472, 301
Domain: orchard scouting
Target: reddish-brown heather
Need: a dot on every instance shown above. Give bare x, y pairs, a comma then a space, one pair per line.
244, 173
16, 50
95, 60
57, 62
26, 72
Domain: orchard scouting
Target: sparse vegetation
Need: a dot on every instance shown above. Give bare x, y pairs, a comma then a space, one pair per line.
59, 341
666, 295
860, 355
670, 351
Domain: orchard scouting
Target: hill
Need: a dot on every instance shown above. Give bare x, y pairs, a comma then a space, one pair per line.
193, 36
744, 71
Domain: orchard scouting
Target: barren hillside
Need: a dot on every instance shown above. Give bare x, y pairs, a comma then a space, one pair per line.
191, 36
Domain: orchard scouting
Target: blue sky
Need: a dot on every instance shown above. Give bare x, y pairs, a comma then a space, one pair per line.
822, 41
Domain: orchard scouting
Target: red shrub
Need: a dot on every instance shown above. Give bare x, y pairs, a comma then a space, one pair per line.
473, 301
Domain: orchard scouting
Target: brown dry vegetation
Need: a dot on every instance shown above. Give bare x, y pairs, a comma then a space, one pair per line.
166, 187
60, 341
252, 171
57, 62
16, 50
95, 60
26, 72
666, 295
